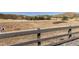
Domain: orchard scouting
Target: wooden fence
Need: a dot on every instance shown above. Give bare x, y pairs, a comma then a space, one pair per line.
38, 32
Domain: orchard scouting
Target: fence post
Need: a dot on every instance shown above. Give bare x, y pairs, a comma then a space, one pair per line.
38, 37
69, 32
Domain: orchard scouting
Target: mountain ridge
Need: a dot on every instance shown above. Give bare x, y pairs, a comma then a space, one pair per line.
26, 17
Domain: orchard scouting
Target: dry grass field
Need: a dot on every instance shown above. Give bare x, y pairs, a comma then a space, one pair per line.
15, 25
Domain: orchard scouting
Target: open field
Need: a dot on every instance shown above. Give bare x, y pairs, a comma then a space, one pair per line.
15, 25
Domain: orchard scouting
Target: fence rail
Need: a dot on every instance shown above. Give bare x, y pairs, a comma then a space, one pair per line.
38, 32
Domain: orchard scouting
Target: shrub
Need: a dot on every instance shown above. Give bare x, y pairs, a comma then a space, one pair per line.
65, 18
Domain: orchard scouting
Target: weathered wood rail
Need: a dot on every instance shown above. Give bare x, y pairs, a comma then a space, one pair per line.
38, 32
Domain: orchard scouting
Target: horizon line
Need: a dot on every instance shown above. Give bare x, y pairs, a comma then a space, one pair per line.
32, 13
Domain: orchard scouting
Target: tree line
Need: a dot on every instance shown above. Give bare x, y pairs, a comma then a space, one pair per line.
38, 17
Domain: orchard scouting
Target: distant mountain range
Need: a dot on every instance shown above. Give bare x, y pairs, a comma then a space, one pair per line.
14, 16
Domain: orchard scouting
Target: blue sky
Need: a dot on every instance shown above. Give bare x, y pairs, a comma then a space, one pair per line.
32, 13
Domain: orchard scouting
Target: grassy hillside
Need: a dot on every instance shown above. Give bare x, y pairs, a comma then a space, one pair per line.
38, 17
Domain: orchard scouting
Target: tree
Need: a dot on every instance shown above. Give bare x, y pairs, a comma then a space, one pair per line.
65, 18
